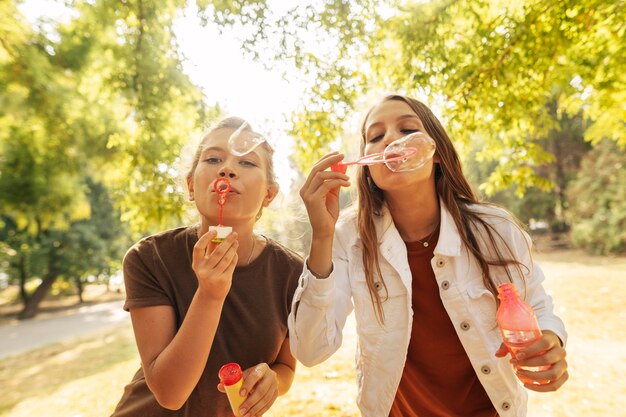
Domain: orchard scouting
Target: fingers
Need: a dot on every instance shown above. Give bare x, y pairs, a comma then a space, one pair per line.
542, 366
319, 174
217, 256
547, 342
502, 351
261, 385
322, 184
203, 245
545, 383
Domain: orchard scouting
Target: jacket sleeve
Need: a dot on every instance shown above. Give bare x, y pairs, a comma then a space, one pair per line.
319, 311
532, 289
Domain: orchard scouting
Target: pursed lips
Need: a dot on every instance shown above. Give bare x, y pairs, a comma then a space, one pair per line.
233, 190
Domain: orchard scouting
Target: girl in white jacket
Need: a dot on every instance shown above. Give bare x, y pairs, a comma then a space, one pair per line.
419, 261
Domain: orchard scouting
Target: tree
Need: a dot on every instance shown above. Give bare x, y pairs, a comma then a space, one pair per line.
100, 97
598, 200
489, 68
526, 79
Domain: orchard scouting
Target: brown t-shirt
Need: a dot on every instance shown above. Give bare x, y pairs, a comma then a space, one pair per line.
438, 379
253, 323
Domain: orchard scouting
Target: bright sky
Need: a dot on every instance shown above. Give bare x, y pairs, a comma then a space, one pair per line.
241, 86
227, 76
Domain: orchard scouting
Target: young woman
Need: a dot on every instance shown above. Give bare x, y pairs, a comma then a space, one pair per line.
196, 305
419, 261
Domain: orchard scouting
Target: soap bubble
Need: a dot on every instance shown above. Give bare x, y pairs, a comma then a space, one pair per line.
397, 159
244, 141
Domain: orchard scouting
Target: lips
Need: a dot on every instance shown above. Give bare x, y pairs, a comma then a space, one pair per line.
233, 190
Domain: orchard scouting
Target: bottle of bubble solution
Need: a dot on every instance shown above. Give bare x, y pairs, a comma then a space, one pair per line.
518, 325
231, 377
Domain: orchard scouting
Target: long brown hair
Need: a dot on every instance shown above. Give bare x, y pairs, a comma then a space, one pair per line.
455, 193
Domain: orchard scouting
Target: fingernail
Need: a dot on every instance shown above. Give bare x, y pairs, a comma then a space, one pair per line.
520, 355
243, 411
243, 394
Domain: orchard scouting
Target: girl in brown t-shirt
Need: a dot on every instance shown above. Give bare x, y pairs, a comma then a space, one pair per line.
196, 305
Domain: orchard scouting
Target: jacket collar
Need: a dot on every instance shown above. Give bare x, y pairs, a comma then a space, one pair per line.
448, 244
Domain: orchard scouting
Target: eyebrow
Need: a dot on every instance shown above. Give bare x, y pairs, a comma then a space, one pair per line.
400, 118
220, 149
213, 148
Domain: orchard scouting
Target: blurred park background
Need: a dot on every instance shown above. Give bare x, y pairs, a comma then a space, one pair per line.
102, 102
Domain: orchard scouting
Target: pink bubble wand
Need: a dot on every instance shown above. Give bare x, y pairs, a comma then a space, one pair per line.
375, 158
222, 188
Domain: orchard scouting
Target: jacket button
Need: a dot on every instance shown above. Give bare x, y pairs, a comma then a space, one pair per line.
506, 406
465, 325
441, 262
445, 285
485, 370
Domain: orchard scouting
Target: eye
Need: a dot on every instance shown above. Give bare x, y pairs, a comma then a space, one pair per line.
376, 138
248, 163
408, 131
213, 160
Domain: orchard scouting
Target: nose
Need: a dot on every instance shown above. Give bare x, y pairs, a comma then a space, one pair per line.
227, 172
391, 136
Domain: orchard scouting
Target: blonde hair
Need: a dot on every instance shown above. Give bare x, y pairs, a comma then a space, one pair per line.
235, 123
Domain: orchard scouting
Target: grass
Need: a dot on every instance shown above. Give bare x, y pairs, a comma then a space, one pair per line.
85, 377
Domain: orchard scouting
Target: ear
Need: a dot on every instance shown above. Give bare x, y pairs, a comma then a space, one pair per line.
190, 188
272, 192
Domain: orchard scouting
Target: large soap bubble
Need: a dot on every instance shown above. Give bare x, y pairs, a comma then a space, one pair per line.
424, 147
244, 141
408, 153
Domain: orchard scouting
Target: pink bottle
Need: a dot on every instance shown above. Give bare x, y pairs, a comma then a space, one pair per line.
518, 324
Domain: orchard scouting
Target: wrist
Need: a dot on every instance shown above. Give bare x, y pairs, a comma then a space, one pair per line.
317, 274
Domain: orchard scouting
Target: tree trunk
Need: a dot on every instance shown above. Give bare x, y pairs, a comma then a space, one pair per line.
79, 289
32, 306
23, 277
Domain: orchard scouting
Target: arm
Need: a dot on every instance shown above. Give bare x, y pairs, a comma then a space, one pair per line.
321, 302
264, 383
320, 194
173, 361
548, 351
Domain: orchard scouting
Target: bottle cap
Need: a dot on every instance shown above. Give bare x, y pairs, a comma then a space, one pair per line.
230, 373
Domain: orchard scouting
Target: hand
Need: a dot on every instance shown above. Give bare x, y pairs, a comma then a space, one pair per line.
320, 194
544, 352
260, 383
214, 264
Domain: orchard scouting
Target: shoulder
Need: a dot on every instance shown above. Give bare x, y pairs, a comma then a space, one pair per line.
284, 254
503, 222
167, 239
495, 215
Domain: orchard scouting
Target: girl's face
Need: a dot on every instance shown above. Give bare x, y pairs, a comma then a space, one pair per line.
247, 175
387, 122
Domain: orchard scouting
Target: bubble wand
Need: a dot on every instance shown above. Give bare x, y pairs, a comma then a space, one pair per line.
375, 158
222, 188
408, 153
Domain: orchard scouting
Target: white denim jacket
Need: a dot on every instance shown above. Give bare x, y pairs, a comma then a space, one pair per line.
321, 306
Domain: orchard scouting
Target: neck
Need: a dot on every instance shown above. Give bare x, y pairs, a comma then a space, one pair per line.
414, 216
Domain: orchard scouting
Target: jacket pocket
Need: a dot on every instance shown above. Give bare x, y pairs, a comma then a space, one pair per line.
393, 302
483, 303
